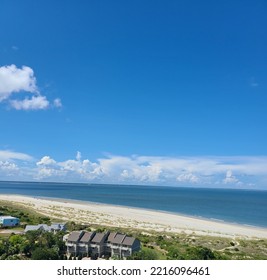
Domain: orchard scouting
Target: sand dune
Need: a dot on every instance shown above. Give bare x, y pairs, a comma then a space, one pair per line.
147, 220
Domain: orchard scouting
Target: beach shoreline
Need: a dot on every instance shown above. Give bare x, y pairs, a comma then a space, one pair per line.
84, 212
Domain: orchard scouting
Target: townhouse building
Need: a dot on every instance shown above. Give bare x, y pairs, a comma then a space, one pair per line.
95, 244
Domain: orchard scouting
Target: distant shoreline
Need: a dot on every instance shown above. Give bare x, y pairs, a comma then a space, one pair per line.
135, 218
84, 202
131, 185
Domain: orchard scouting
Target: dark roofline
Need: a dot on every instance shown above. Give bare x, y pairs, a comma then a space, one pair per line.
75, 236
99, 237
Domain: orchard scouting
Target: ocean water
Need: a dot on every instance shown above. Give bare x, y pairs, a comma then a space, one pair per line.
236, 206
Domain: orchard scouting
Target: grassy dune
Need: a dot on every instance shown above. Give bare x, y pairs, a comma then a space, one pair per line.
156, 245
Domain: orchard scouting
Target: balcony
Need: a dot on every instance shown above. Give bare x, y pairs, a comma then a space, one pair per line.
125, 249
114, 246
82, 245
94, 245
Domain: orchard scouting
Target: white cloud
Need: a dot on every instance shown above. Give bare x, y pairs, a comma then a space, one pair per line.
8, 170
9, 155
7, 166
187, 177
14, 80
12, 165
46, 172
84, 169
230, 178
33, 103
142, 173
47, 167
76, 169
46, 160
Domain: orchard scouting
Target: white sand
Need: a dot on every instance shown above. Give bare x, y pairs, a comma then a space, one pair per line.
147, 220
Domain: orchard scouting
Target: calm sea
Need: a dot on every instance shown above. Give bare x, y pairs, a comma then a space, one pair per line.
237, 206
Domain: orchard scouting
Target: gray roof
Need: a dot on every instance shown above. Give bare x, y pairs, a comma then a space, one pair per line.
56, 226
37, 227
99, 237
45, 227
128, 241
8, 217
111, 236
75, 236
119, 238
116, 238
87, 237
30, 227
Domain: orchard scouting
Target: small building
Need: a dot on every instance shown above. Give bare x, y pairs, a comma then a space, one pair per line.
55, 227
9, 221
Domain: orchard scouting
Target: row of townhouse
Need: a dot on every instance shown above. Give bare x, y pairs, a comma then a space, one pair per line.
95, 244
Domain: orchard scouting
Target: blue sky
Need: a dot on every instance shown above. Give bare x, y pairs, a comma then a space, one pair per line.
142, 92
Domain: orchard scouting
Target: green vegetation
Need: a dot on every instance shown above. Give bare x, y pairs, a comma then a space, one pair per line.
33, 244
193, 247
43, 245
145, 254
25, 215
36, 245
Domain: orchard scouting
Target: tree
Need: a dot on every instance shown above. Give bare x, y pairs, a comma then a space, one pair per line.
25, 248
16, 239
174, 254
144, 254
44, 254
200, 253
2, 247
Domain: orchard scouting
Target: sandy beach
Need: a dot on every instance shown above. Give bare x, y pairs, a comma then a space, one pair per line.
146, 220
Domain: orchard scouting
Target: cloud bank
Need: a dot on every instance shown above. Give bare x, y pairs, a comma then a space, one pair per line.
17, 82
226, 172
12, 165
